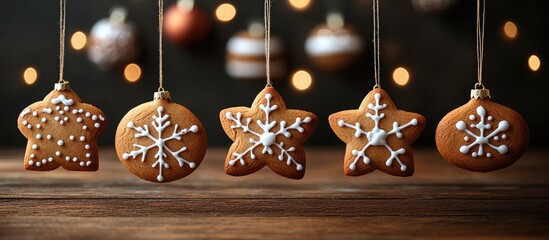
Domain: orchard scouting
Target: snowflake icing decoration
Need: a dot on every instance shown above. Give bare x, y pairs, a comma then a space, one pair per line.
483, 138
160, 124
267, 138
377, 136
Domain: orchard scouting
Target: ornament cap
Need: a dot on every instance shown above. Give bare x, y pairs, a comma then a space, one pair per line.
480, 93
162, 95
63, 86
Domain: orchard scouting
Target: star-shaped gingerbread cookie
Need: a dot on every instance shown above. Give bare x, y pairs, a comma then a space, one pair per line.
61, 131
267, 134
378, 136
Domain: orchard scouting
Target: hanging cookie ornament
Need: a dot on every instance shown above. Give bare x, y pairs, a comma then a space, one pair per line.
113, 41
482, 135
334, 46
267, 133
160, 141
61, 129
377, 134
186, 23
246, 54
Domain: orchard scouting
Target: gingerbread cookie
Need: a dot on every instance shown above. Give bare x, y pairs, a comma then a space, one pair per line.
267, 134
160, 141
61, 131
482, 136
378, 136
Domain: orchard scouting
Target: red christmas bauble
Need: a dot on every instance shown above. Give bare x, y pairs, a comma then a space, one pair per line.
185, 24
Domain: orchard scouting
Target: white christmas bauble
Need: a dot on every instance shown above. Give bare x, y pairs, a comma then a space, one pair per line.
246, 56
333, 49
113, 44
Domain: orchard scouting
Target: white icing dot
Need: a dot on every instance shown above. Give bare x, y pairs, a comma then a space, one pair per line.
60, 142
44, 119
80, 110
56, 118
38, 164
48, 137
88, 155
473, 125
57, 108
61, 112
490, 118
101, 118
87, 146
488, 155
66, 108
58, 153
74, 111
25, 123
75, 159
504, 136
88, 163
71, 138
44, 161
31, 162
38, 126
97, 125
31, 156
82, 164
88, 114
466, 138
35, 114
472, 117
82, 138
84, 127
34, 146
496, 138
50, 159
79, 119
67, 158
94, 117
61, 122
38, 136
66, 119
29, 126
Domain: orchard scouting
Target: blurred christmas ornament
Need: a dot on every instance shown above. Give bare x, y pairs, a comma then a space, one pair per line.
433, 6
333, 46
246, 54
186, 23
113, 41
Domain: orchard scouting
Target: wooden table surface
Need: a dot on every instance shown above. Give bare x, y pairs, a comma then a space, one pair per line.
439, 201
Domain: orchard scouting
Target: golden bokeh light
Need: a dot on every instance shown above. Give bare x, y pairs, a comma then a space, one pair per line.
132, 72
302, 80
30, 75
510, 29
299, 4
534, 62
401, 76
78, 40
225, 12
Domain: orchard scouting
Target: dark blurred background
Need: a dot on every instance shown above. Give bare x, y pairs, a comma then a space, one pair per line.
437, 48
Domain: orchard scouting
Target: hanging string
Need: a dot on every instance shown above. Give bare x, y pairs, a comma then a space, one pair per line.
480, 40
377, 68
267, 16
160, 30
62, 13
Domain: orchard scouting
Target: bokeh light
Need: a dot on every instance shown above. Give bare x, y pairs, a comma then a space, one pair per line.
302, 80
510, 29
78, 40
225, 12
30, 75
534, 63
300, 4
132, 72
401, 76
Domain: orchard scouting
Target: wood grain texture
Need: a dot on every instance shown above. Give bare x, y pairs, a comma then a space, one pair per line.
439, 201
